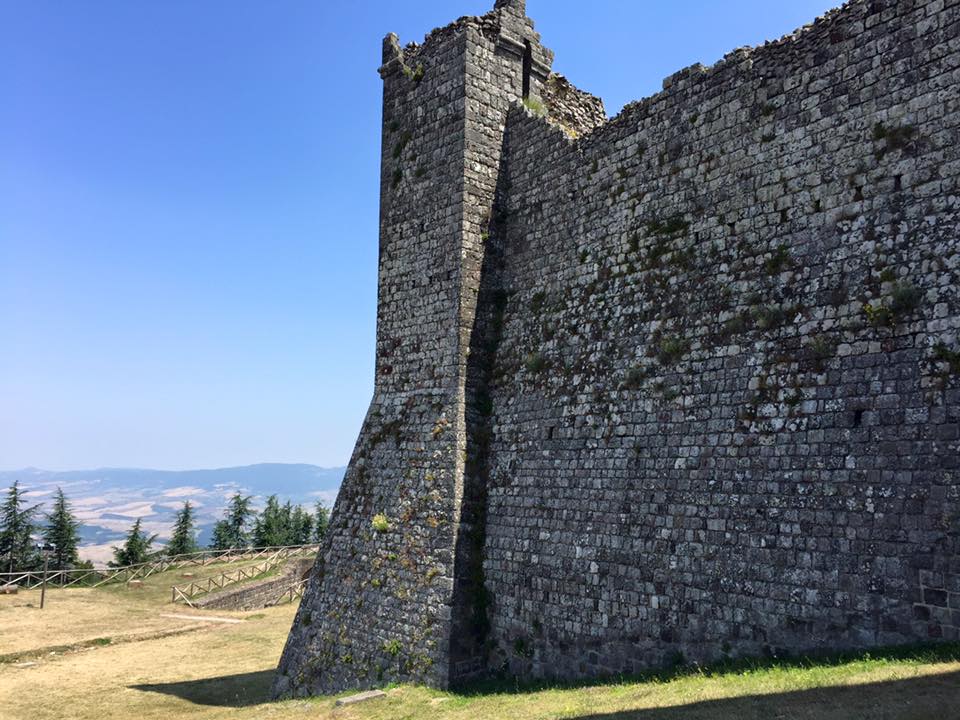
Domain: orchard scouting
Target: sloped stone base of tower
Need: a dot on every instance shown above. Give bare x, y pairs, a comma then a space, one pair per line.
377, 605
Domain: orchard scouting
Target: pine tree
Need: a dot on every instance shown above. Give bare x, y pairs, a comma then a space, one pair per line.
182, 540
232, 532
221, 536
301, 526
321, 523
287, 530
136, 548
17, 527
61, 532
273, 526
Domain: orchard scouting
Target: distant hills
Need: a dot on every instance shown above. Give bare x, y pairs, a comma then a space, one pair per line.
108, 501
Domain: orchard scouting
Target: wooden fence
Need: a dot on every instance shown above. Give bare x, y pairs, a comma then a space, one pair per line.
188, 593
295, 592
95, 578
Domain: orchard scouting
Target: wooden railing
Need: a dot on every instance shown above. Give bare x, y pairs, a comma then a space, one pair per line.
294, 592
95, 578
188, 593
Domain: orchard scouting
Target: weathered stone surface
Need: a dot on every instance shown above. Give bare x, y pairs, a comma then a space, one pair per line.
682, 383
360, 697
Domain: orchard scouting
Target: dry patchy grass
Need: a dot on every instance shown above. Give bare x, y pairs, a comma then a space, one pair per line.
82, 615
224, 671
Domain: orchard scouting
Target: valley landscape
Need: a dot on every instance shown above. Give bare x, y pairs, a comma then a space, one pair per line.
108, 501
659, 398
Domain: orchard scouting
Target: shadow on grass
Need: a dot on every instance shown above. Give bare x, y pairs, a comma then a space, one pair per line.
923, 653
911, 699
922, 698
234, 691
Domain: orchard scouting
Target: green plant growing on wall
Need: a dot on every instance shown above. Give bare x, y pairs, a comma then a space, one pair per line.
779, 261
684, 259
401, 145
896, 137
535, 362
671, 349
666, 392
770, 317
905, 298
634, 379
392, 647
380, 523
535, 106
821, 349
736, 325
416, 74
878, 315
671, 226
522, 648
794, 398
951, 358
537, 301
656, 253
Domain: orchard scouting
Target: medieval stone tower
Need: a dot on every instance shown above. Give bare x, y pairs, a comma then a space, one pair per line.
683, 383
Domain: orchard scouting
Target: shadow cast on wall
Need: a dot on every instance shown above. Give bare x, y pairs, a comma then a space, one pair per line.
234, 691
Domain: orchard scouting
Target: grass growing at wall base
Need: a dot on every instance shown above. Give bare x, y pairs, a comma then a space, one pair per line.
225, 671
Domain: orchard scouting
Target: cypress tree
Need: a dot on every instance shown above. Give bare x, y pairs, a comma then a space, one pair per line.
17, 527
61, 532
182, 540
136, 548
321, 522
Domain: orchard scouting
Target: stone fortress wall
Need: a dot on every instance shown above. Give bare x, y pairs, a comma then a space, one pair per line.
680, 384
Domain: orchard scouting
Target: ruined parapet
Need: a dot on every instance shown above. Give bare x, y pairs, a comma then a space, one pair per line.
574, 110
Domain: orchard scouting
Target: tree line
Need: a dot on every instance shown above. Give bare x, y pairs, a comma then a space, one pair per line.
241, 527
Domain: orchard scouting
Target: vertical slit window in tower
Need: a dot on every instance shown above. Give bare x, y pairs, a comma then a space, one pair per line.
527, 67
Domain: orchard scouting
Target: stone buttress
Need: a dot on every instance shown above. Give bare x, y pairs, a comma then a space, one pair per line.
399, 594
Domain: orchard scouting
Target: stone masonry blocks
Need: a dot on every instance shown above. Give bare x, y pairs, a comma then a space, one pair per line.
683, 384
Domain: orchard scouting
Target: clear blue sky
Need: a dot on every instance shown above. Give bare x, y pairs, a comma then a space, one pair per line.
188, 209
